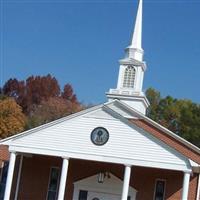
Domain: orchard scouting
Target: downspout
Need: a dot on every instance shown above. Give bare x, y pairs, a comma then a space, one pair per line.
198, 188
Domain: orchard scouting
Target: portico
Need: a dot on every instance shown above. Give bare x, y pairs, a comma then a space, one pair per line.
127, 149
77, 171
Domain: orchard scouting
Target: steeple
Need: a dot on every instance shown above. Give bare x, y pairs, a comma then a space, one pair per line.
131, 71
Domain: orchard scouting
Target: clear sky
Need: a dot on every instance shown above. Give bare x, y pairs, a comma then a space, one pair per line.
81, 41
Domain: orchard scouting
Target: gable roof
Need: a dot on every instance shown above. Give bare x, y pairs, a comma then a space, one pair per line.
122, 113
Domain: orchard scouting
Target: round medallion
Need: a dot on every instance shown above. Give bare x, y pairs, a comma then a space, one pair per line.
99, 136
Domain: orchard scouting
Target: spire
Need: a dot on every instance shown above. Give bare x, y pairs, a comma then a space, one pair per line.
136, 41
135, 49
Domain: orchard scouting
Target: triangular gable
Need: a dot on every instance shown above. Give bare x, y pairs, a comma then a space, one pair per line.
70, 137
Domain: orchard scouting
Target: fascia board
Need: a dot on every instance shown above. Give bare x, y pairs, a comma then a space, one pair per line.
131, 61
129, 97
7, 141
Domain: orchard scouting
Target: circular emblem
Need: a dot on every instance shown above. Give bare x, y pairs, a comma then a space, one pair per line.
99, 136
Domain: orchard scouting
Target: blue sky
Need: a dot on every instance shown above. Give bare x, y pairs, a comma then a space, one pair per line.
81, 41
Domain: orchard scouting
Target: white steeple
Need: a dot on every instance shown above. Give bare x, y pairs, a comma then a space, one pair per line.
131, 72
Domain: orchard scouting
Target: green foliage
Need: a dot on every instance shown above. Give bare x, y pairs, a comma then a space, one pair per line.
180, 116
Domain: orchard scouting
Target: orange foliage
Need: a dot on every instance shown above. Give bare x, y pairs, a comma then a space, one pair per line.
12, 120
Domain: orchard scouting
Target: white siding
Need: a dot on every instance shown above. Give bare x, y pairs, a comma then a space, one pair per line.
126, 142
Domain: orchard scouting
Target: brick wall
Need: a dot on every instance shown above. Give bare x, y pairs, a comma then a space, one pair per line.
4, 153
36, 169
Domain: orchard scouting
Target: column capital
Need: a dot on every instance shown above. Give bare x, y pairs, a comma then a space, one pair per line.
128, 165
188, 172
14, 152
65, 158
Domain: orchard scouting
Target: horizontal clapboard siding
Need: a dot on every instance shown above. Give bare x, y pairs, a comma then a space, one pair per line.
125, 141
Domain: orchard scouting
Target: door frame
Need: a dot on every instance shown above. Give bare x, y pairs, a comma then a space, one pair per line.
111, 186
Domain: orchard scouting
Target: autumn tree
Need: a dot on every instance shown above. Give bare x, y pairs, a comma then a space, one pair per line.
41, 99
52, 109
12, 120
68, 94
31, 92
41, 88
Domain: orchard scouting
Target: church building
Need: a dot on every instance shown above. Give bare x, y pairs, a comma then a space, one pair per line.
111, 151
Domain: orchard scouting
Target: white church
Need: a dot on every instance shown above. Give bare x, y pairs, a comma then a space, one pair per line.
112, 151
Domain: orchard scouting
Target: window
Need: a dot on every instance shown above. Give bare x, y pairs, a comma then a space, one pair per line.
129, 77
159, 190
53, 183
3, 178
83, 195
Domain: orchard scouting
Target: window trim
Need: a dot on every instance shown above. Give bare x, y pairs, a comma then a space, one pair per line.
53, 167
125, 80
84, 191
2, 168
159, 179
2, 164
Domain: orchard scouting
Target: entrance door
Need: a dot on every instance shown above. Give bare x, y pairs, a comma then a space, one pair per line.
102, 196
111, 189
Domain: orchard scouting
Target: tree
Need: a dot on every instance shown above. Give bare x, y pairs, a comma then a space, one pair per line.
189, 122
68, 94
30, 93
154, 99
52, 109
41, 99
12, 120
15, 89
180, 116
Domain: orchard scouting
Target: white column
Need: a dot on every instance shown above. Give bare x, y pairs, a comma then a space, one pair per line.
63, 178
19, 177
127, 175
10, 176
198, 188
186, 183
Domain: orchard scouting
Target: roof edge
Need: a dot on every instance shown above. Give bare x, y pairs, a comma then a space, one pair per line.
162, 128
6, 141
